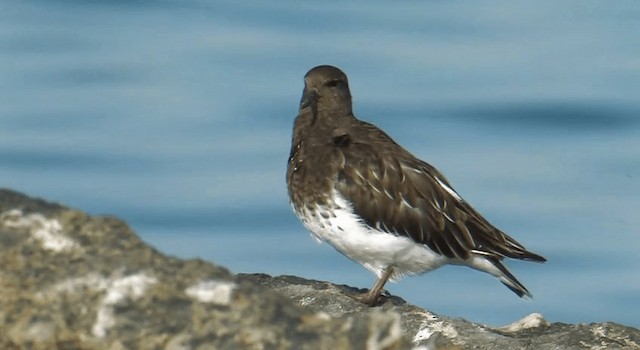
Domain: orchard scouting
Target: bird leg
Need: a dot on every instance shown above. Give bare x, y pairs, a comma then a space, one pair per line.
373, 297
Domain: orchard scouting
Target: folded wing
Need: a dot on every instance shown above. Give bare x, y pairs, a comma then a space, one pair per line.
400, 194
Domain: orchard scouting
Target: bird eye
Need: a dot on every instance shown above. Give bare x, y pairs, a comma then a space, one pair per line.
332, 83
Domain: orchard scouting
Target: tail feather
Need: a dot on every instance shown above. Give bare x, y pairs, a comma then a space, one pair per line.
509, 280
492, 265
520, 291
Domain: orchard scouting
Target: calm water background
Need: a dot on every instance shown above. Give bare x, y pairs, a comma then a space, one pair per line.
176, 116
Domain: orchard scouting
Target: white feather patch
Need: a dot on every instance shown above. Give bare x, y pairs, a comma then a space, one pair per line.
372, 248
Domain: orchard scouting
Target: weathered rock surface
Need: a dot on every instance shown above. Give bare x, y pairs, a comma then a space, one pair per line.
72, 281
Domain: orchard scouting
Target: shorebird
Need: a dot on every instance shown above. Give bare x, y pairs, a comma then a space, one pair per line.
357, 189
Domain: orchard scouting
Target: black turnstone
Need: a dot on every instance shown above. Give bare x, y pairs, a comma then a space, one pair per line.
357, 189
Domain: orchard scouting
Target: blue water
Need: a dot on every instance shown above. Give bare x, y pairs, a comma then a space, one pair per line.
176, 116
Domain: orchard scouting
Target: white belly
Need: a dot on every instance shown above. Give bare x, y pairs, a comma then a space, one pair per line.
372, 248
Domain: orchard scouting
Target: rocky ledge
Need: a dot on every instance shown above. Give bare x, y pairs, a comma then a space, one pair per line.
74, 281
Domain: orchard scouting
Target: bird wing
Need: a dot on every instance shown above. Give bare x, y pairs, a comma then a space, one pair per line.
393, 191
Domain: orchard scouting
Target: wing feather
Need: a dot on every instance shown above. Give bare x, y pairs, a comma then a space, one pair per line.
394, 191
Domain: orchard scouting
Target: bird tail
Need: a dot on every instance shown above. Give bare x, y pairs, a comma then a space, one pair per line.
509, 280
493, 266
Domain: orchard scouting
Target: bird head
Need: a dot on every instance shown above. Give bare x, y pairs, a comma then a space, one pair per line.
326, 89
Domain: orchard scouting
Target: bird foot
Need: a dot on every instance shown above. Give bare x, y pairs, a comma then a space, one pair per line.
370, 299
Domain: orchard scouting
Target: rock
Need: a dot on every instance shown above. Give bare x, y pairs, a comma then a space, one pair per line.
74, 281
431, 331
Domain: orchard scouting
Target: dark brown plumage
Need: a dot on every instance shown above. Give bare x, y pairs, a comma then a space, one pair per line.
337, 158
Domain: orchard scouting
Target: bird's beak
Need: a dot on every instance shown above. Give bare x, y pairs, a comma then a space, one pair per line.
309, 98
